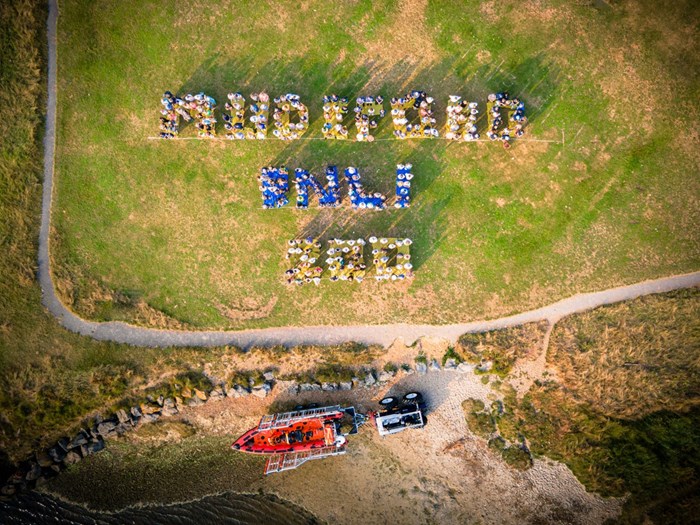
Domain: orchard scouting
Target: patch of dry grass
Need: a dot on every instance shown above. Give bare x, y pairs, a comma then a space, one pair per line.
632, 358
501, 348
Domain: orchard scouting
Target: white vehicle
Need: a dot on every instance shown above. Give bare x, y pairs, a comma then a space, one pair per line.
397, 416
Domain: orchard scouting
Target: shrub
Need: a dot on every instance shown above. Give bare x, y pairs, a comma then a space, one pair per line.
451, 354
479, 420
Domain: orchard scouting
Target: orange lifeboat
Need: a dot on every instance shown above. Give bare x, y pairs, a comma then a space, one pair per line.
297, 431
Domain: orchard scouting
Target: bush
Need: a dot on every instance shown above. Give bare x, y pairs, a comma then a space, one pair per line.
479, 420
517, 457
497, 443
451, 354
332, 373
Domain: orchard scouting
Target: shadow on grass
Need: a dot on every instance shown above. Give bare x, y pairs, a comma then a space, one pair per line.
534, 80
426, 220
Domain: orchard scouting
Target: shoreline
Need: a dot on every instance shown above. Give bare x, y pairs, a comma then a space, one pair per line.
464, 478
249, 507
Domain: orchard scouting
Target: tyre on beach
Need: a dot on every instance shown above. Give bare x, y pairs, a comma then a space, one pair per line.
413, 397
388, 403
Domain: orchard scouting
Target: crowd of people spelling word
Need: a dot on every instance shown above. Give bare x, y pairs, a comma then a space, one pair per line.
199, 107
235, 120
283, 114
461, 120
303, 256
274, 187
367, 113
334, 110
347, 260
405, 123
328, 197
412, 117
500, 106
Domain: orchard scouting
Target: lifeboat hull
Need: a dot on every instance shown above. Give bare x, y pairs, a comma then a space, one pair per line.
307, 434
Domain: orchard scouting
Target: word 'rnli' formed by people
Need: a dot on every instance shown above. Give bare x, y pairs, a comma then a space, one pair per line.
275, 182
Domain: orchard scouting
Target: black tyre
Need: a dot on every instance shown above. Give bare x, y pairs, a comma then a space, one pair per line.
413, 397
388, 403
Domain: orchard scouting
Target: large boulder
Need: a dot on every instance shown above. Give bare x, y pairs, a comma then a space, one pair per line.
106, 428
122, 428
262, 390
465, 368
8, 490
95, 446
169, 411
434, 365
149, 409
71, 458
451, 364
345, 385
421, 367
199, 394
385, 376
217, 394
136, 412
43, 459
194, 401
485, 366
309, 387
33, 472
329, 387
122, 416
79, 439
370, 379
150, 418
64, 443
57, 454
269, 376
241, 390
160, 400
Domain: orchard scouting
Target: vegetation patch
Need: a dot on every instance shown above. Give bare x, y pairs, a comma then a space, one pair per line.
632, 358
517, 456
216, 469
479, 418
496, 351
453, 355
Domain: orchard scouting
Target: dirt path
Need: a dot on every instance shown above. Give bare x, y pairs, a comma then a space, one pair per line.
289, 336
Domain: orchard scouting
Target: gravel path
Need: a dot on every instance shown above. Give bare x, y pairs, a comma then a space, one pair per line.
290, 336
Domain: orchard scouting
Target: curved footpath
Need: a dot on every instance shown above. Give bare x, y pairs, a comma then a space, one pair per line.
289, 336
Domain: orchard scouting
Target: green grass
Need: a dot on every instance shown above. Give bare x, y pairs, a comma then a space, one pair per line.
189, 468
143, 227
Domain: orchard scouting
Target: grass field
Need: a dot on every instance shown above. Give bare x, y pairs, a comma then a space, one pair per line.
50, 379
172, 233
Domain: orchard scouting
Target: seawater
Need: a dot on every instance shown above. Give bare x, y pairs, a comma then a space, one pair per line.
233, 509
